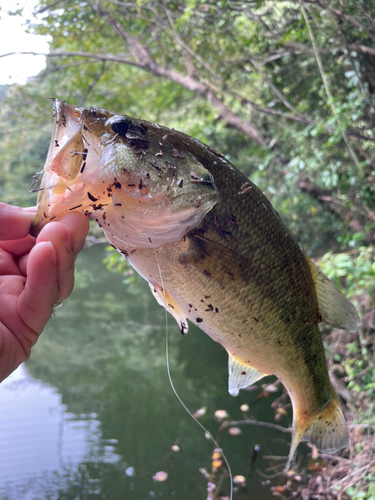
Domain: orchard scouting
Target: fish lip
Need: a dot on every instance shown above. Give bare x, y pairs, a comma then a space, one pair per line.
35, 229
68, 119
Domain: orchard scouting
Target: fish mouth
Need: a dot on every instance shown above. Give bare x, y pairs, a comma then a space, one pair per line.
66, 183
64, 160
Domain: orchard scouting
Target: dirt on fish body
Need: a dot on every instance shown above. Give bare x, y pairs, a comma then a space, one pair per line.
227, 262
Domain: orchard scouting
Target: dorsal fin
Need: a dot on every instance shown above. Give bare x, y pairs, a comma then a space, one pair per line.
241, 375
334, 308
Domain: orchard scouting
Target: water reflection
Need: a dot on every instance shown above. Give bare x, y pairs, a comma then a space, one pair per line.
40, 439
103, 354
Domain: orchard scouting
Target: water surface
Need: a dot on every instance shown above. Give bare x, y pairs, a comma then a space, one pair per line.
93, 416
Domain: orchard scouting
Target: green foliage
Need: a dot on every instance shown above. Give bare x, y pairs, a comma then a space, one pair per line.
165, 61
357, 267
354, 272
23, 148
357, 492
117, 263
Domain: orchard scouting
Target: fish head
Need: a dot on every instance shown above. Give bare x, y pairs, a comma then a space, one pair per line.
126, 173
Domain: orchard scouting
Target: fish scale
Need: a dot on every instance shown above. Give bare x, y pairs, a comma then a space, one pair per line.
227, 262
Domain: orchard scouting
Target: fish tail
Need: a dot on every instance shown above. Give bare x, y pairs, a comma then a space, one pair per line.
327, 430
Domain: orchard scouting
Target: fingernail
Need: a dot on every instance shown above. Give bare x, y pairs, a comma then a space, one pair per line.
30, 209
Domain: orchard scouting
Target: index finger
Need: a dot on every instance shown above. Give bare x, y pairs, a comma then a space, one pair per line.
14, 222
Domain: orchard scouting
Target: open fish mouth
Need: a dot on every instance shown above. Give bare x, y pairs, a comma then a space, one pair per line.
124, 172
61, 181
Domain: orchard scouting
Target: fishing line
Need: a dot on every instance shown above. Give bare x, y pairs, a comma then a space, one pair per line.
207, 433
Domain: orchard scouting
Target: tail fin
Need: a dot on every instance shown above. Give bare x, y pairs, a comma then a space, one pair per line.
327, 430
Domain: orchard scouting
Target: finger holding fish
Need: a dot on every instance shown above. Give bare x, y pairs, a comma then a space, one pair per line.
50, 269
34, 275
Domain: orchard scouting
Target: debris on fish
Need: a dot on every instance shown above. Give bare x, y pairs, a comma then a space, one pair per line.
228, 263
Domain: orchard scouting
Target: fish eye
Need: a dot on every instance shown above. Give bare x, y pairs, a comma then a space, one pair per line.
120, 127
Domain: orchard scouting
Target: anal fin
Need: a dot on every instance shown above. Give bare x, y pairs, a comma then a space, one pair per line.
165, 300
241, 375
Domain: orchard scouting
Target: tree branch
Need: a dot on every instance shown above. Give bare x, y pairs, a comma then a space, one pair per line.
340, 14
62, 67
85, 95
186, 47
276, 91
352, 217
300, 47
362, 48
144, 61
100, 57
51, 6
202, 89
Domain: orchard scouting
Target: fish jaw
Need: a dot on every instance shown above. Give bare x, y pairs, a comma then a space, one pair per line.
64, 181
108, 165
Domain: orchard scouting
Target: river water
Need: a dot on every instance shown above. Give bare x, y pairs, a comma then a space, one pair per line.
92, 415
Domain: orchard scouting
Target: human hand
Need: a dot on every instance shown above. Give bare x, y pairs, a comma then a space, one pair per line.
35, 274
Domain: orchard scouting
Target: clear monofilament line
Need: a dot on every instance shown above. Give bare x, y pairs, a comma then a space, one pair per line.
207, 433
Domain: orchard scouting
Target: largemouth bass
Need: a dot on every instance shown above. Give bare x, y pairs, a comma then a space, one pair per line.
228, 263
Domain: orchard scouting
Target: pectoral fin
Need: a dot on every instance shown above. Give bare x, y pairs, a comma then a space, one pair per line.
334, 308
241, 375
171, 306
